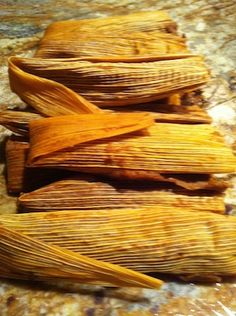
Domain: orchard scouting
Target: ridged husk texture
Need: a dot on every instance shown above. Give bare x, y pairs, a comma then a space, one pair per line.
146, 240
168, 148
23, 179
18, 121
27, 258
84, 194
67, 131
16, 155
103, 81
20, 178
144, 33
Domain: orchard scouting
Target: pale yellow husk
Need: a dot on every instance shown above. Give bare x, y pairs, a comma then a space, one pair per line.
145, 239
27, 258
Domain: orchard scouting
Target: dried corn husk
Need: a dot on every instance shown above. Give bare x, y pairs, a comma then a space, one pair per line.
95, 43
83, 194
17, 121
24, 257
135, 22
146, 240
47, 97
19, 177
16, 154
57, 133
74, 39
23, 179
166, 113
168, 148
145, 30
104, 81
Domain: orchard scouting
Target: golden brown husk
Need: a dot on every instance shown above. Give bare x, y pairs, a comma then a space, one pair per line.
19, 177
23, 179
139, 33
145, 239
16, 155
17, 121
82, 194
145, 33
105, 81
100, 45
169, 148
47, 97
166, 113
67, 131
27, 258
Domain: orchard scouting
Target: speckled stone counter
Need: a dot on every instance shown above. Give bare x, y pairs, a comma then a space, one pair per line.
210, 26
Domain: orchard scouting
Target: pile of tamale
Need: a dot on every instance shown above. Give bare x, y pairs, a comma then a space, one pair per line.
114, 159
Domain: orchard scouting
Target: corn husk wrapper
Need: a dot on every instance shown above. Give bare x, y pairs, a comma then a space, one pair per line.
23, 179
27, 258
20, 178
113, 36
168, 148
154, 20
68, 131
86, 194
166, 113
145, 240
16, 154
47, 97
17, 121
138, 33
92, 43
113, 81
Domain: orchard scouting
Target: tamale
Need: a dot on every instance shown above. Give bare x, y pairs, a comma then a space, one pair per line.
113, 81
94, 43
146, 239
47, 97
19, 177
134, 33
84, 194
17, 121
48, 135
168, 148
32, 259
16, 153
110, 44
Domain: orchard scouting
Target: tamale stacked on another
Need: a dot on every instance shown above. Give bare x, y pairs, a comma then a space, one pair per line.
79, 193
16, 155
114, 81
32, 259
144, 33
145, 239
18, 121
166, 148
23, 179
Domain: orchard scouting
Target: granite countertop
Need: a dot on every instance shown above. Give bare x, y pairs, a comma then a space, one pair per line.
210, 26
